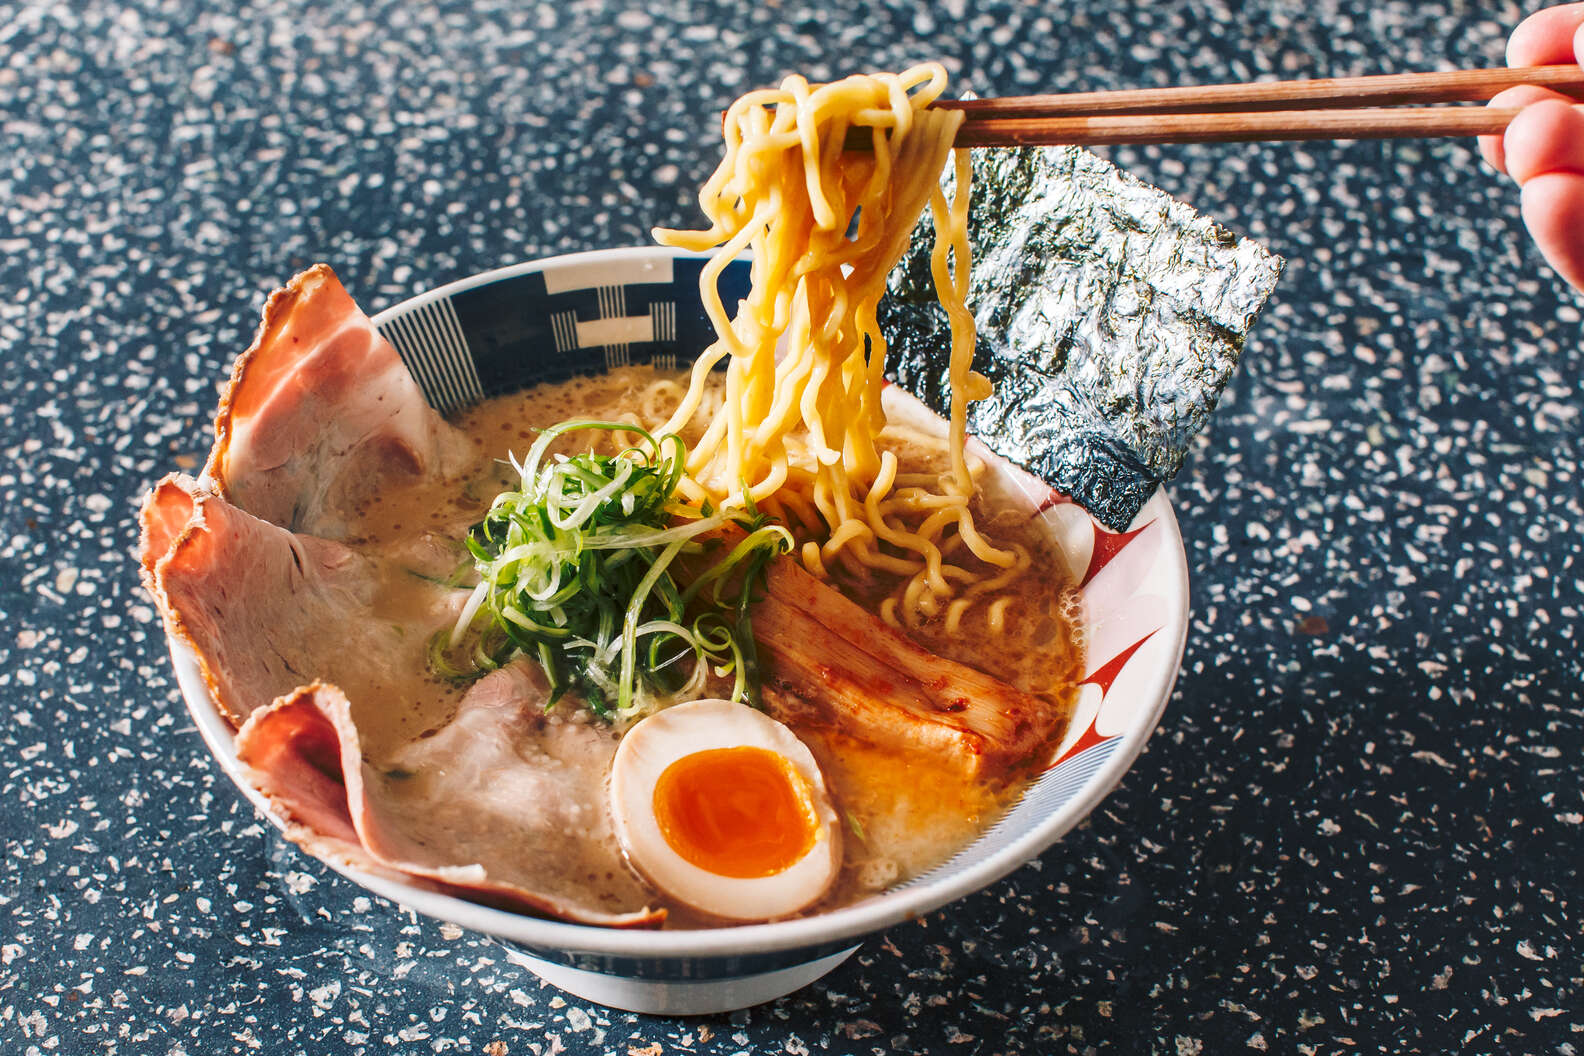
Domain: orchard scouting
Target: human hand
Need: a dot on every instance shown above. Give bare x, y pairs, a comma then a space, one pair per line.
1543, 148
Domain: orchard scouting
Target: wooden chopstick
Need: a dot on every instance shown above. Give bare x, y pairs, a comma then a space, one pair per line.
1331, 93
1324, 108
1373, 123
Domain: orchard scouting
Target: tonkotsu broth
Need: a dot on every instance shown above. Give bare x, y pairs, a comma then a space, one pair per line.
905, 815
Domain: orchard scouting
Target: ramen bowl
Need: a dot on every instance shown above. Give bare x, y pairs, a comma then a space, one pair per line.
549, 319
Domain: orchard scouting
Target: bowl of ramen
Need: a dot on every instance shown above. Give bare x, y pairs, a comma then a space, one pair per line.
669, 645
918, 827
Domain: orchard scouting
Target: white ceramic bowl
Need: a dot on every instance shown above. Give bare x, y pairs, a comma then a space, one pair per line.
545, 319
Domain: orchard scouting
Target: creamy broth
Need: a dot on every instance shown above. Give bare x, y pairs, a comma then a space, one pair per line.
904, 814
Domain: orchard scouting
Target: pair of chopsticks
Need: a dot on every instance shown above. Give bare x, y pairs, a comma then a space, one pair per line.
1330, 108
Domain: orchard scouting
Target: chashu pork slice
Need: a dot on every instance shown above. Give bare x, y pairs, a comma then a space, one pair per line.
505, 805
321, 414
477, 794
266, 610
829, 662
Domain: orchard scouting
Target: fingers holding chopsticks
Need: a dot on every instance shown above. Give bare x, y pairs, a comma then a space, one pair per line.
1493, 148
1546, 136
1543, 147
1552, 36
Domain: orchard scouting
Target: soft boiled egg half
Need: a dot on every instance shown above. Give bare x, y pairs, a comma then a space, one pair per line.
724, 809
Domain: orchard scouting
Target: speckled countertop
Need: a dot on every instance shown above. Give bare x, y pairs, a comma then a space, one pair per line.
1360, 825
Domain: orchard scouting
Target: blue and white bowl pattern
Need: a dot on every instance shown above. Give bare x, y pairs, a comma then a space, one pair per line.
550, 322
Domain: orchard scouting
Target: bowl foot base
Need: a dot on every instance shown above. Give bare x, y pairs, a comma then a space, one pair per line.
687, 998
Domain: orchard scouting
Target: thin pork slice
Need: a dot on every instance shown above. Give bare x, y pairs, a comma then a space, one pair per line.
831, 662
321, 414
505, 805
266, 611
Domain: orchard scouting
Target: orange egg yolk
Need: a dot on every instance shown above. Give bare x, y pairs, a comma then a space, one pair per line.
742, 812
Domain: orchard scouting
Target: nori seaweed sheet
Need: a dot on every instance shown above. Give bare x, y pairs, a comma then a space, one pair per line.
1110, 319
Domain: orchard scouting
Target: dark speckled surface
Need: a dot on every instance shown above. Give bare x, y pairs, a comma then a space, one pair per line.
1359, 828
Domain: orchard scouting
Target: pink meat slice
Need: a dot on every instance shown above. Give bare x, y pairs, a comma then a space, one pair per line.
321, 414
505, 805
265, 610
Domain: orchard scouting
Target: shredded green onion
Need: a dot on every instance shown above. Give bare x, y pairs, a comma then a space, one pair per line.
575, 570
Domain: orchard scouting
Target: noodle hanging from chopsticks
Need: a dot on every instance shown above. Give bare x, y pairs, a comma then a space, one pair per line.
799, 436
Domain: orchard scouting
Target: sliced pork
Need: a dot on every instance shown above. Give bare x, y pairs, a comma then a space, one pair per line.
266, 611
321, 414
830, 662
505, 805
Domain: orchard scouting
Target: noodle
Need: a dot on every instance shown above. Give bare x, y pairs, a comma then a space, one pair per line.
800, 436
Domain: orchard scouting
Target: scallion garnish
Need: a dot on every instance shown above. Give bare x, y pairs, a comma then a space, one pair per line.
576, 567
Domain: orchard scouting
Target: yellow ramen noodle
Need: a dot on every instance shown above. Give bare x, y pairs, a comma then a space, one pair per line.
801, 435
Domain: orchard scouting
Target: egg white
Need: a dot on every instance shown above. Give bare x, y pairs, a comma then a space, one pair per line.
660, 740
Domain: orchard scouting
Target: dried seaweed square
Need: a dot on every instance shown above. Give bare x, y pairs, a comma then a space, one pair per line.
1110, 315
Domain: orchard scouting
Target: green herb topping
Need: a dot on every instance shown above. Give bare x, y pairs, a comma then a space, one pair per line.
575, 570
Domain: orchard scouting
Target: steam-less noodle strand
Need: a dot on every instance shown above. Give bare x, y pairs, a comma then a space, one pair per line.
800, 436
